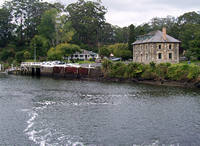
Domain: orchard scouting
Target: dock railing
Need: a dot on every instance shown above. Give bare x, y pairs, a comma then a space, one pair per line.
31, 64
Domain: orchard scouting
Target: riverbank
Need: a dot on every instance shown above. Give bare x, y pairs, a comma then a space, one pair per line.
182, 75
192, 84
179, 75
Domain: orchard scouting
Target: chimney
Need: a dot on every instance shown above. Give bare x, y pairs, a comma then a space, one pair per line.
164, 31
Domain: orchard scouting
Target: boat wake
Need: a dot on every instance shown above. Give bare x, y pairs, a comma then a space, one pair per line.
41, 133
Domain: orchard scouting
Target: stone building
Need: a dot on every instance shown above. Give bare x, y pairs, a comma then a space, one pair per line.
156, 46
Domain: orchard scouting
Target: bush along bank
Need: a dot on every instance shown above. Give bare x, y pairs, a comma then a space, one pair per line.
187, 75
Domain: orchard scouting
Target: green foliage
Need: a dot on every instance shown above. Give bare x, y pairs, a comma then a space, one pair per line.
152, 65
66, 32
132, 37
6, 27
106, 66
134, 70
121, 70
183, 72
163, 71
47, 26
104, 51
193, 53
120, 50
149, 73
54, 54
118, 70
19, 56
41, 45
27, 55
87, 18
62, 50
6, 54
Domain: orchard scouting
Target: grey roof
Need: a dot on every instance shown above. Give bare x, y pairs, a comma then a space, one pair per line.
155, 37
86, 52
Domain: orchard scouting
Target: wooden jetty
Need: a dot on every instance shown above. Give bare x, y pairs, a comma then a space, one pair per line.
58, 70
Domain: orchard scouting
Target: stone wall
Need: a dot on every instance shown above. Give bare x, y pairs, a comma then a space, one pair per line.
156, 52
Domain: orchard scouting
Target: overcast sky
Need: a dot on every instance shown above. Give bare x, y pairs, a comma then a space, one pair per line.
126, 12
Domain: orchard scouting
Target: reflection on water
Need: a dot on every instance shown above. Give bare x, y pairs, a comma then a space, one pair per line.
61, 112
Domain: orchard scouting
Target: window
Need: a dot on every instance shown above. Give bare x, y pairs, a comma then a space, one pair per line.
170, 55
81, 55
159, 55
146, 56
170, 46
76, 56
159, 46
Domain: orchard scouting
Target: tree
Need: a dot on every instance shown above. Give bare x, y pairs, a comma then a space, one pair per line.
104, 51
193, 53
121, 34
187, 34
19, 56
106, 35
27, 55
47, 27
64, 30
6, 27
120, 50
62, 50
132, 37
41, 45
87, 18
189, 18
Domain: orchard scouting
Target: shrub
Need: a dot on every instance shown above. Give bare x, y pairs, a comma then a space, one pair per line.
134, 70
194, 72
148, 73
162, 70
118, 70
106, 66
183, 72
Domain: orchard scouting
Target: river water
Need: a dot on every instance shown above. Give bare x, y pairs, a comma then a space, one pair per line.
45, 111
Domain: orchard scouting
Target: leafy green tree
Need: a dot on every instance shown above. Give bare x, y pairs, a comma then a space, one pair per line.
6, 27
19, 56
5, 55
107, 35
104, 51
64, 32
132, 37
54, 54
27, 55
189, 18
41, 45
87, 18
187, 34
62, 50
121, 35
47, 26
121, 50
193, 53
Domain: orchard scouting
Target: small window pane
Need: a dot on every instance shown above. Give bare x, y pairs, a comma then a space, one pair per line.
159, 55
170, 46
170, 55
